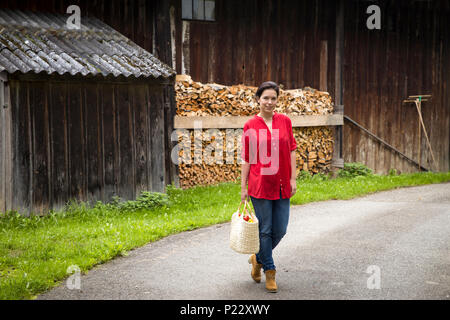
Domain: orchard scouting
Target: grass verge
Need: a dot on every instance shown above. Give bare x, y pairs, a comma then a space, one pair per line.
36, 252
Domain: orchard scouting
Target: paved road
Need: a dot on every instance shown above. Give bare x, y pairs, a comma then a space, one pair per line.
401, 235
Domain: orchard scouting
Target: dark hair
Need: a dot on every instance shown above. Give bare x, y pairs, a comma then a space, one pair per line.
267, 85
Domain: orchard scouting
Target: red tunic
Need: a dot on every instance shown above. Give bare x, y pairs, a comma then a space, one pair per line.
269, 156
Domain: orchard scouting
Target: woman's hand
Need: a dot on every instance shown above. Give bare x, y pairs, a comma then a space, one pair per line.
293, 187
244, 180
244, 195
293, 173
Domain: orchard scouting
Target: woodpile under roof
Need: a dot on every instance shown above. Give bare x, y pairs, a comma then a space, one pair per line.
197, 99
315, 144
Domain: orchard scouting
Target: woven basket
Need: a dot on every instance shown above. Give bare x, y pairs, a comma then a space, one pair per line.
244, 236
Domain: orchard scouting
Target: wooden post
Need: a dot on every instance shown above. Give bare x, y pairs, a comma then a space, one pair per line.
185, 52
173, 33
323, 65
338, 161
420, 131
172, 170
2, 147
163, 39
6, 156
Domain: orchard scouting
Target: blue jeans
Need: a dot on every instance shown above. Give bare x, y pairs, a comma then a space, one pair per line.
273, 216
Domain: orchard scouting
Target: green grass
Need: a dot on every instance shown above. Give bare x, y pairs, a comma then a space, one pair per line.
36, 252
310, 190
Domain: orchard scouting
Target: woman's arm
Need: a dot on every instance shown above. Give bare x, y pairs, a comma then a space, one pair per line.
245, 169
293, 174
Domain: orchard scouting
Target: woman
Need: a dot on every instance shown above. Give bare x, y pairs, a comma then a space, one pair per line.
268, 169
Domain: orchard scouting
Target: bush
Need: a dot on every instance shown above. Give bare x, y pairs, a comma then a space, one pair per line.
393, 172
147, 200
354, 169
304, 175
320, 177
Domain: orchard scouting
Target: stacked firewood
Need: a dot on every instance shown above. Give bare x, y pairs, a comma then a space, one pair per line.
195, 175
209, 157
306, 101
314, 148
196, 99
199, 163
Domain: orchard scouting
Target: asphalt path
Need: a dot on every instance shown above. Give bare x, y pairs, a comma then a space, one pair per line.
388, 245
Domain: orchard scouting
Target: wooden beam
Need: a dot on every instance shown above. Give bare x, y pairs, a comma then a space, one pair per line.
384, 142
163, 39
238, 122
323, 65
185, 52
173, 34
317, 121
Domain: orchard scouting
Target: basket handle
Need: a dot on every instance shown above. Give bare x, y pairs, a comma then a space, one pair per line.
249, 208
240, 206
245, 203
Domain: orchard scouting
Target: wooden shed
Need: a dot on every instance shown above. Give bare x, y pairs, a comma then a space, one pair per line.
85, 114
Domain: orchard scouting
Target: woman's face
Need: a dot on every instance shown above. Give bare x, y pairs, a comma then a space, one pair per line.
268, 101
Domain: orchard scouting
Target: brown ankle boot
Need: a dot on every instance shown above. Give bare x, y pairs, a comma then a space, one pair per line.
271, 284
256, 268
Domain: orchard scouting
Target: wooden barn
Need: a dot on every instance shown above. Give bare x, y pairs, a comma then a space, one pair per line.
328, 45
321, 44
317, 43
85, 114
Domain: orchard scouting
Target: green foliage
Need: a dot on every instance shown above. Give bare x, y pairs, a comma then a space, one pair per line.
392, 172
173, 193
306, 176
146, 201
319, 177
354, 169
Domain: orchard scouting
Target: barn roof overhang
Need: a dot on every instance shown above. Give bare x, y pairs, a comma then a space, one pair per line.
43, 43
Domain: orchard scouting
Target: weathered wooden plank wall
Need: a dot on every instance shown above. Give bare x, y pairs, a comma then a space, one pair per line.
253, 41
86, 140
409, 56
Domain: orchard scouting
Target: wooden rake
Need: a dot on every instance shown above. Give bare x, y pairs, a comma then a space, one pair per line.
417, 100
